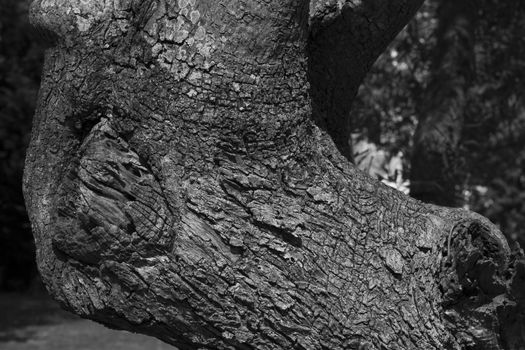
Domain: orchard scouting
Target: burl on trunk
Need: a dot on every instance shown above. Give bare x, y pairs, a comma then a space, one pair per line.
188, 178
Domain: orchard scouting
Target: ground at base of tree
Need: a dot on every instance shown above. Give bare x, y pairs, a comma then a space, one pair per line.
36, 322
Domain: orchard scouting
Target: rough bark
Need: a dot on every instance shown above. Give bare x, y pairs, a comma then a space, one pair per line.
187, 179
437, 175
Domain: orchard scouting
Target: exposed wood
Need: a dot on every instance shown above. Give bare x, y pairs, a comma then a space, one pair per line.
187, 179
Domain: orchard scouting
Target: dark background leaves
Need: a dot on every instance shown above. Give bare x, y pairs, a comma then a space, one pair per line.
21, 58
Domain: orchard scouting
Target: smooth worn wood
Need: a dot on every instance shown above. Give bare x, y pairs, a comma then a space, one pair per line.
188, 178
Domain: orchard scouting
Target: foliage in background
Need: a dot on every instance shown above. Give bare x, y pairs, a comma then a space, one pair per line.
20, 68
385, 110
491, 150
494, 135
384, 115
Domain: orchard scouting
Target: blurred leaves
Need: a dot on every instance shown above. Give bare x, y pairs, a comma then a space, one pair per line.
491, 150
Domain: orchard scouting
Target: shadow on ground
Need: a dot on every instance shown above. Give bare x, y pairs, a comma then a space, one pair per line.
36, 322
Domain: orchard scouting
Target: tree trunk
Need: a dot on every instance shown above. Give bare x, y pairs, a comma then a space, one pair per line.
436, 171
187, 178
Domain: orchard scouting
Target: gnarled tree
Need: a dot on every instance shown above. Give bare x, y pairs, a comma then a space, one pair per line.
188, 178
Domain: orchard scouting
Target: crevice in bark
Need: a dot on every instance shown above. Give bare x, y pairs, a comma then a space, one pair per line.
81, 124
281, 233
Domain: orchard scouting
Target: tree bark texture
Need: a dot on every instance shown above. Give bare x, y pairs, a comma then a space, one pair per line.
437, 174
188, 178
